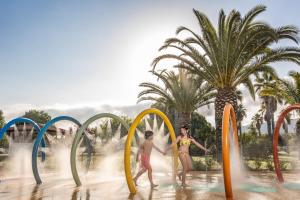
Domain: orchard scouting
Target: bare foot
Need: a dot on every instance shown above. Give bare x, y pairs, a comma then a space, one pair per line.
153, 185
135, 182
179, 176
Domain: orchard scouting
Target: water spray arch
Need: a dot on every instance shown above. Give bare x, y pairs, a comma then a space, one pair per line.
79, 134
39, 139
279, 122
228, 114
24, 120
129, 139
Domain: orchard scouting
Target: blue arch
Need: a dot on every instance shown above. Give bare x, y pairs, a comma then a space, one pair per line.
39, 139
24, 120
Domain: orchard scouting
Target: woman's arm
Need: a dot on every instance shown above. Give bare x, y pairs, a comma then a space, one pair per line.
173, 144
198, 144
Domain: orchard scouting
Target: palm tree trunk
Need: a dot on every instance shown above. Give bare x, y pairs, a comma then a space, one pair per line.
273, 123
240, 128
269, 126
182, 118
225, 95
268, 114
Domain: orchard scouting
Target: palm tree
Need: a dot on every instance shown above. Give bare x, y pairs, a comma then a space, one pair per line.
269, 103
288, 90
241, 110
226, 57
240, 115
257, 121
181, 93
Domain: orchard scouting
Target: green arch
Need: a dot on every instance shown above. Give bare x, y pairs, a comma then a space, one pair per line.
78, 135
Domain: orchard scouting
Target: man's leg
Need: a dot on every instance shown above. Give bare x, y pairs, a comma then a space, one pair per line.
150, 178
143, 170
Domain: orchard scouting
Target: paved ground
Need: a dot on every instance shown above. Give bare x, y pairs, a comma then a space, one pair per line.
201, 186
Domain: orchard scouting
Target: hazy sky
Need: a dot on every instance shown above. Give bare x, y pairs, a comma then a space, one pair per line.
62, 55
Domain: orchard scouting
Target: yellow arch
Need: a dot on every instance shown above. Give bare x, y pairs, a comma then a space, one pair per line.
129, 139
228, 114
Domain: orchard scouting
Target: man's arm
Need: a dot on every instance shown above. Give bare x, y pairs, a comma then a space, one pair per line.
157, 149
138, 153
173, 144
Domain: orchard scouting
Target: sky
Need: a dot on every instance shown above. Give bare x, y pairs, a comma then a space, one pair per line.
85, 57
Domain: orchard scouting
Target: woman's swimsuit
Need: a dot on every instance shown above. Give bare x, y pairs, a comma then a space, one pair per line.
184, 141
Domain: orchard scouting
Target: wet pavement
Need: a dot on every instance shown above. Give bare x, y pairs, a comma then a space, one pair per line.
202, 186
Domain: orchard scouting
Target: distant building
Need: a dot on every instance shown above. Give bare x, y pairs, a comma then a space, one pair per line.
20, 134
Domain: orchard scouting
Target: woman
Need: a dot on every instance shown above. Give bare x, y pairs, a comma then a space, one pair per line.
185, 141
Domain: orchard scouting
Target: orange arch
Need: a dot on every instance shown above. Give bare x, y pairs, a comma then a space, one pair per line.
279, 122
228, 114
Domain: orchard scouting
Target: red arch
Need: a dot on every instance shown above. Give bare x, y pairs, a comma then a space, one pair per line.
279, 122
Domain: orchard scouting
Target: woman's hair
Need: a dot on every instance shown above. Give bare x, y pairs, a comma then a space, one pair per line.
186, 127
148, 134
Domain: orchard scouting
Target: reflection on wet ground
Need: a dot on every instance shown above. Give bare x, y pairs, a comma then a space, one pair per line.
201, 186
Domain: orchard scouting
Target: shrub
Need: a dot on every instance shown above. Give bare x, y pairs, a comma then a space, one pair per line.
284, 165
199, 165
4, 142
209, 162
257, 164
270, 164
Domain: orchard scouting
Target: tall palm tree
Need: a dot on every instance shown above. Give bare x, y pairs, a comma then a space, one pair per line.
241, 110
288, 90
240, 115
228, 55
180, 92
257, 121
269, 102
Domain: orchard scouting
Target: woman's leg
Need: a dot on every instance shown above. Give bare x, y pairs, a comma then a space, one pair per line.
189, 163
184, 166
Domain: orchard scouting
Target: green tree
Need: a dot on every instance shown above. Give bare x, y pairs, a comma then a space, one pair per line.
228, 55
38, 116
2, 119
269, 103
115, 125
240, 111
4, 141
288, 90
181, 93
203, 132
257, 121
240, 115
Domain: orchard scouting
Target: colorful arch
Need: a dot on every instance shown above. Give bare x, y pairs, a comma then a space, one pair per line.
279, 122
24, 120
39, 139
79, 135
228, 114
130, 136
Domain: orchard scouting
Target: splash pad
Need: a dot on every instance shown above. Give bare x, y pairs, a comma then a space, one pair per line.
229, 141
